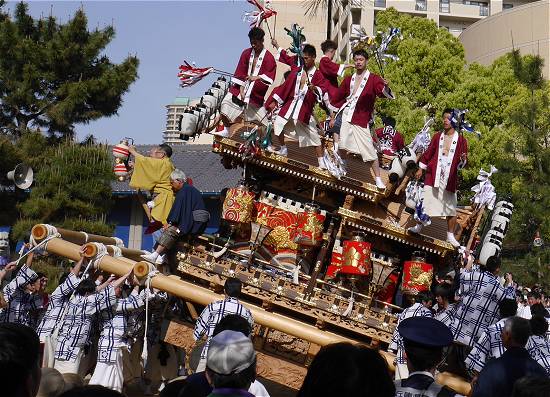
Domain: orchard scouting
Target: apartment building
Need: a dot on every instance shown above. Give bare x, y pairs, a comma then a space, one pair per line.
453, 15
526, 28
347, 16
174, 110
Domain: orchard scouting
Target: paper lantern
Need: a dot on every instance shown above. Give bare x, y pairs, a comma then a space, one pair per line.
120, 171
121, 150
417, 276
355, 259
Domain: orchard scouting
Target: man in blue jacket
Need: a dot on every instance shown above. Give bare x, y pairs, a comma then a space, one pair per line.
499, 375
188, 216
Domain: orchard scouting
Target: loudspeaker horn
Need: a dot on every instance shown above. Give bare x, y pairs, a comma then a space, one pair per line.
22, 176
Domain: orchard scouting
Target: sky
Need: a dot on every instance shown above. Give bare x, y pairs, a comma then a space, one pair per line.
162, 34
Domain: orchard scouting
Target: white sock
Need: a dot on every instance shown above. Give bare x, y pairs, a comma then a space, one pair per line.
335, 146
451, 236
225, 130
321, 162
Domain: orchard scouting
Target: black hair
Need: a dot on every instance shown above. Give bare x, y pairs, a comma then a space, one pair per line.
388, 120
539, 325
424, 296
86, 286
40, 275
285, 74
328, 45
173, 388
534, 294
507, 308
344, 369
519, 328
239, 380
445, 291
192, 389
538, 309
233, 322
309, 50
493, 263
422, 358
532, 386
167, 149
256, 34
447, 110
362, 53
19, 357
91, 391
232, 287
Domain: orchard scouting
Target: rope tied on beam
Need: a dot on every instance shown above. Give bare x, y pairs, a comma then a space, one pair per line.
94, 261
118, 242
117, 252
148, 296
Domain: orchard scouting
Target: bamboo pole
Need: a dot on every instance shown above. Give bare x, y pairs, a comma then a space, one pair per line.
40, 232
198, 295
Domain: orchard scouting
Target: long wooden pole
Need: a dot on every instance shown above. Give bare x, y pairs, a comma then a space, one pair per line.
192, 293
40, 232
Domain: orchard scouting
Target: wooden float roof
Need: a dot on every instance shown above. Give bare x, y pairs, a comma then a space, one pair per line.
379, 212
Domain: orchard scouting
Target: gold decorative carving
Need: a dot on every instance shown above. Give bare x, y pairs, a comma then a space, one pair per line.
420, 277
280, 239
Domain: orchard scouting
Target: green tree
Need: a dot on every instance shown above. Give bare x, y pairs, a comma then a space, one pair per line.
430, 66
72, 190
53, 75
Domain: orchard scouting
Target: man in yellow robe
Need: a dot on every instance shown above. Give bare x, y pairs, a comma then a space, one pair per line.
152, 173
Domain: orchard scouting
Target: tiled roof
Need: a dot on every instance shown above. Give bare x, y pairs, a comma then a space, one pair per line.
199, 163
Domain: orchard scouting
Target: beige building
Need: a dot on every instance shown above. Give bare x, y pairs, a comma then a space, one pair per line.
526, 28
346, 20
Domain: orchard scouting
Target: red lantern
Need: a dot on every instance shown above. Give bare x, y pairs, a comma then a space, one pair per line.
310, 226
121, 171
417, 275
121, 150
355, 258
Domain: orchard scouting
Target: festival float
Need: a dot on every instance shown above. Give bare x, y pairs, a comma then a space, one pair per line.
322, 253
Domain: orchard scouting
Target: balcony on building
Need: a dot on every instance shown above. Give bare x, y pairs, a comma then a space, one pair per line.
465, 10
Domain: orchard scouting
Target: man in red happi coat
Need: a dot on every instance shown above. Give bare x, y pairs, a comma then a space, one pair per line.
447, 153
390, 140
297, 97
355, 99
331, 71
254, 74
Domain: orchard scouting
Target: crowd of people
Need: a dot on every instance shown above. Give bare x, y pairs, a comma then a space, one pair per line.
88, 337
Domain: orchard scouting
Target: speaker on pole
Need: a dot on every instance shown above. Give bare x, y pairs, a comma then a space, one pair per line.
22, 176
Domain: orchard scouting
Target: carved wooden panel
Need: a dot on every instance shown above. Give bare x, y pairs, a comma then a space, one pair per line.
280, 371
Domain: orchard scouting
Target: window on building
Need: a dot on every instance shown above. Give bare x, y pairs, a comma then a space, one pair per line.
380, 3
420, 5
483, 9
444, 6
356, 17
507, 6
